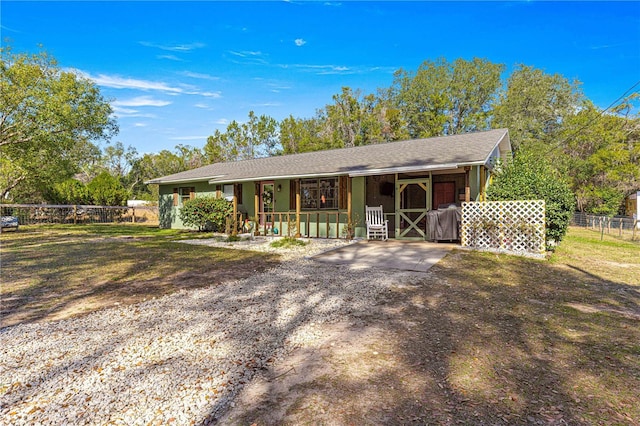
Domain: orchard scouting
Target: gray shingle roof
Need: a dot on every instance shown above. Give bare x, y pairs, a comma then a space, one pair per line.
406, 156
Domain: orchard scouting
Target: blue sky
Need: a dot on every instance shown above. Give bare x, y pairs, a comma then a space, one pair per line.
177, 71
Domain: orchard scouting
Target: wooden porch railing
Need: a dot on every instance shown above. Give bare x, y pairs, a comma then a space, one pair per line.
310, 226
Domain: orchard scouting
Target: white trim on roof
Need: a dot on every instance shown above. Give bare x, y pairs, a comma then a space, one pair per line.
406, 169
497, 145
162, 181
261, 178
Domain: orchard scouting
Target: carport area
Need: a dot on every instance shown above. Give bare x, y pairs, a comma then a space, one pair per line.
416, 256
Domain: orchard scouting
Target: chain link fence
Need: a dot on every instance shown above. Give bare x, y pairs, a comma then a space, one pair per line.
33, 214
626, 228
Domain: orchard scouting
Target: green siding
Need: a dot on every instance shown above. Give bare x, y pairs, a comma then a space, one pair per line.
316, 222
169, 217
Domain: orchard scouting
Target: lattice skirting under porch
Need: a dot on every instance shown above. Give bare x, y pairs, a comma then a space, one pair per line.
512, 226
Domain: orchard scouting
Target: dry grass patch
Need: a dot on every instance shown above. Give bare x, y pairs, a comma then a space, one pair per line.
55, 272
484, 339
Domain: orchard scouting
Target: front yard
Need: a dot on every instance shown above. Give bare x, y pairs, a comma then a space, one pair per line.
480, 339
58, 271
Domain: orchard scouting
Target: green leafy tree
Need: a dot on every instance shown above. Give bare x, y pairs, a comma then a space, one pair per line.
599, 152
422, 97
301, 135
70, 191
48, 120
535, 105
258, 137
163, 163
354, 119
118, 161
206, 212
107, 190
443, 98
529, 177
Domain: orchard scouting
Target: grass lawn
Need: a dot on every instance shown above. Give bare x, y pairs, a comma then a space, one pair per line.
57, 271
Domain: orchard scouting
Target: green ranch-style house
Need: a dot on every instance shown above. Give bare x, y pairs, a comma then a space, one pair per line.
326, 192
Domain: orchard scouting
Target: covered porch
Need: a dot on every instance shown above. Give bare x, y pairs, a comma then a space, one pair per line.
333, 206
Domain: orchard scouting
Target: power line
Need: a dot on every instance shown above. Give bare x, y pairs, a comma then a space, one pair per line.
601, 113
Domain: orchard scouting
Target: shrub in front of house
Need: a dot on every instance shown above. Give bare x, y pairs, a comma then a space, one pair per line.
527, 177
206, 213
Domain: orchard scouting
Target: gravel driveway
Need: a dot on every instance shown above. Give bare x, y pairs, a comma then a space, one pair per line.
179, 359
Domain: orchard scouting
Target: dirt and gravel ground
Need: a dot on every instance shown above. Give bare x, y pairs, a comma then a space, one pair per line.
518, 342
479, 339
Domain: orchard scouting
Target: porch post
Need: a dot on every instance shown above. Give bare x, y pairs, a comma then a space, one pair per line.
298, 206
467, 188
483, 183
256, 202
234, 222
349, 207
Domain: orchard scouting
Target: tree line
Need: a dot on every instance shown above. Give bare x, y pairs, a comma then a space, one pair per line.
50, 121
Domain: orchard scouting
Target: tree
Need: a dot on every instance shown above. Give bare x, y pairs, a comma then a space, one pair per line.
529, 177
422, 97
164, 163
106, 190
535, 105
70, 191
118, 160
443, 98
301, 135
344, 119
474, 88
600, 154
48, 119
258, 137
354, 120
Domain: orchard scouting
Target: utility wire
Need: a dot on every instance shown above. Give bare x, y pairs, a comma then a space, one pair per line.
601, 113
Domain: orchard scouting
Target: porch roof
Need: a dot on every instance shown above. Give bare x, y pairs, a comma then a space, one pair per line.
438, 153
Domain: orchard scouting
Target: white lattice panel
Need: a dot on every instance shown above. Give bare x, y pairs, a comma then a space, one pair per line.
513, 226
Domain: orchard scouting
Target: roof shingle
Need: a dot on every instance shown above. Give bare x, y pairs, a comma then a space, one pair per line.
410, 155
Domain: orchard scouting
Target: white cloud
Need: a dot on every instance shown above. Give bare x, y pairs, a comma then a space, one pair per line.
139, 124
245, 53
267, 104
215, 95
201, 105
221, 121
188, 138
117, 82
199, 75
170, 57
141, 101
175, 47
322, 69
121, 111
300, 42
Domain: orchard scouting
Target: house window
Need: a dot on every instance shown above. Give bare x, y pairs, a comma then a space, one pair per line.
319, 193
227, 192
184, 194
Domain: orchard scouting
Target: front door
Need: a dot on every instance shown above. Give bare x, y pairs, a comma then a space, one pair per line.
443, 193
413, 201
267, 203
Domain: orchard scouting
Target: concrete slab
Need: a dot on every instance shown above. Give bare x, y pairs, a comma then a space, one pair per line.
391, 254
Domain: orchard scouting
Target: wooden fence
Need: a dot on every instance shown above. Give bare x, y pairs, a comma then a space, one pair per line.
32, 214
